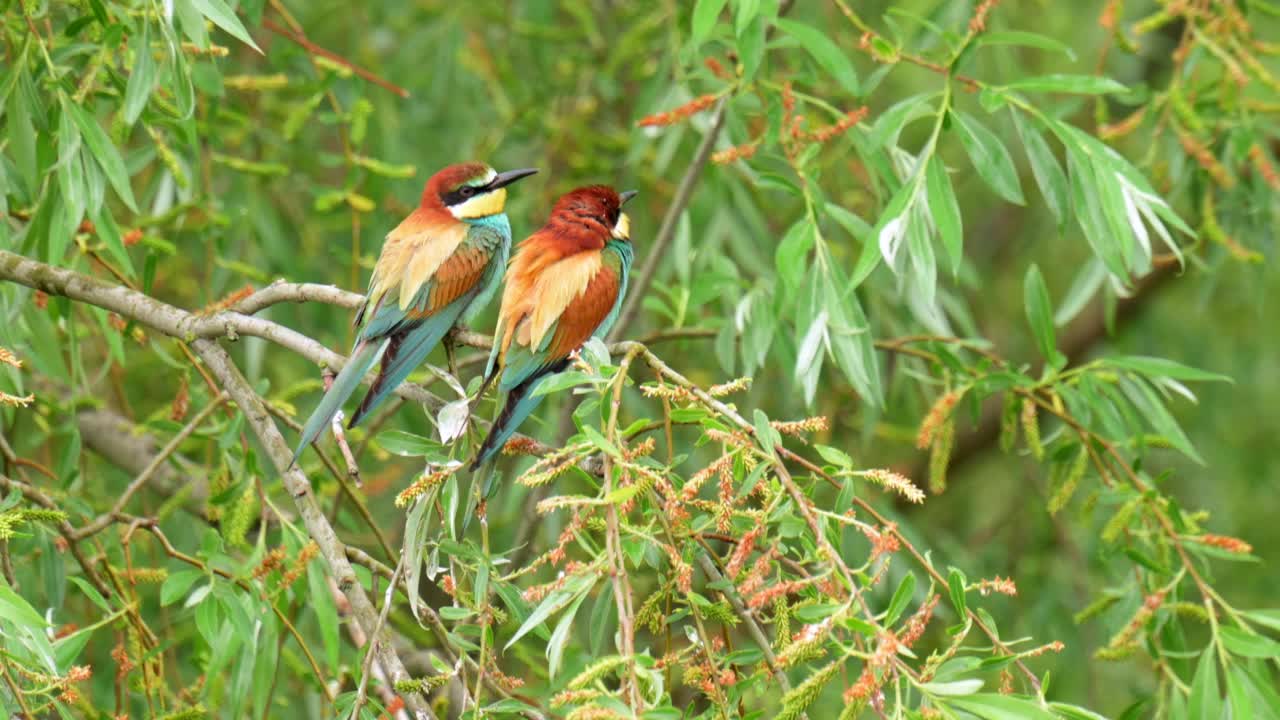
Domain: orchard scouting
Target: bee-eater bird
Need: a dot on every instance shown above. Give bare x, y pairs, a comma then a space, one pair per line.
565, 284
441, 264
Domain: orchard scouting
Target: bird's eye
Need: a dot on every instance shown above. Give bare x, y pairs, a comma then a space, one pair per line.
467, 191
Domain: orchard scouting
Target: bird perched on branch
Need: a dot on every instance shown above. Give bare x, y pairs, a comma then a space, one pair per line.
565, 284
440, 265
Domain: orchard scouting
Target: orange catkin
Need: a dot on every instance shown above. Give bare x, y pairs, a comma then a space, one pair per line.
675, 115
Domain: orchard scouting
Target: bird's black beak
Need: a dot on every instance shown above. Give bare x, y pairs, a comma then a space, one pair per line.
627, 195
506, 178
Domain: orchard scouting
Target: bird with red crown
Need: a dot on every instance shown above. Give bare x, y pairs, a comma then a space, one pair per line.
440, 265
565, 284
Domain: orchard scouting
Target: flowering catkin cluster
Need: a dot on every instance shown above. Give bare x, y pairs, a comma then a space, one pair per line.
896, 482
683, 112
423, 484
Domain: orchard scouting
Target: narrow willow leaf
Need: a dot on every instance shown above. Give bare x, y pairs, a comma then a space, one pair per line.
1035, 298
825, 52
560, 636
955, 688
1088, 212
989, 156
901, 596
1155, 367
104, 151
705, 14
1152, 408
1001, 707
1085, 285
106, 227
399, 442
1238, 693
744, 13
1077, 84
1024, 39
1239, 642
225, 18
557, 600
142, 79
1048, 174
793, 252
1204, 701
955, 586
945, 211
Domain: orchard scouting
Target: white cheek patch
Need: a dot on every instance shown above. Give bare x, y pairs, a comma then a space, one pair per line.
483, 205
622, 229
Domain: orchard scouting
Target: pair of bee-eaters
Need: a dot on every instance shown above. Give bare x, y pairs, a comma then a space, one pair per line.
444, 262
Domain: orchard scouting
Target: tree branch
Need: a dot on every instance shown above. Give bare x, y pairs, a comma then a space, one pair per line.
201, 329
318, 527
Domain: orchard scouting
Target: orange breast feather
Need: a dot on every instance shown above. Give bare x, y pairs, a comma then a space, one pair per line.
546, 288
413, 253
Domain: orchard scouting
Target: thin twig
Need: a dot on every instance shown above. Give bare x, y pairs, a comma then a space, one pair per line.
367, 666
330, 55
171, 447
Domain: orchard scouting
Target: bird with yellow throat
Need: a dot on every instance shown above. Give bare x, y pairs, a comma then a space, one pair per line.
439, 266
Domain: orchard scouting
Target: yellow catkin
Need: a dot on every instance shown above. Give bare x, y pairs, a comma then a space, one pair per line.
1031, 430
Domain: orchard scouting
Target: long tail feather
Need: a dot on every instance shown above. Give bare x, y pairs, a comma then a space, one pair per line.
364, 357
521, 402
406, 354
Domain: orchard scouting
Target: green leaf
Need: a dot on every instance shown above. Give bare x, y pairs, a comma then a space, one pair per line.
705, 15
1085, 285
901, 596
955, 586
1266, 618
1077, 84
92, 593
142, 79
766, 435
399, 442
1048, 174
954, 688
835, 456
103, 151
175, 586
945, 210
1035, 298
1239, 642
16, 609
1075, 712
1204, 701
989, 157
793, 252
225, 18
105, 225
1155, 367
553, 602
560, 637
1152, 408
1238, 693
600, 441
1001, 707
745, 11
1024, 39
825, 52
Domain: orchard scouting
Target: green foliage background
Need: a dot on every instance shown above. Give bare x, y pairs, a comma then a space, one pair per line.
247, 167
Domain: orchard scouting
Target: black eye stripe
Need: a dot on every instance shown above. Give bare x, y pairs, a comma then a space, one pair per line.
460, 195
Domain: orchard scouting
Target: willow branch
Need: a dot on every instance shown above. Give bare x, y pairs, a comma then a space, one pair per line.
314, 49
313, 517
